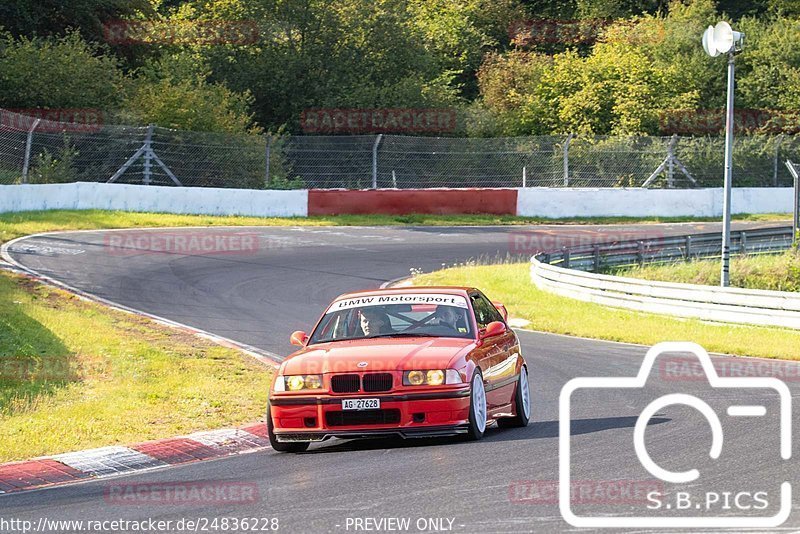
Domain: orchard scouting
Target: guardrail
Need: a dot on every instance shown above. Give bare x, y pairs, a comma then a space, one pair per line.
565, 273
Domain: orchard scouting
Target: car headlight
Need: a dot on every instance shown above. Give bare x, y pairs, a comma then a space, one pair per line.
298, 382
434, 377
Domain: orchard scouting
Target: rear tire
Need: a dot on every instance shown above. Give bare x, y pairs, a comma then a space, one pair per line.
280, 446
522, 404
477, 408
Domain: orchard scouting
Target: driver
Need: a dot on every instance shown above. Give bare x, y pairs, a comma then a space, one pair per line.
446, 316
375, 321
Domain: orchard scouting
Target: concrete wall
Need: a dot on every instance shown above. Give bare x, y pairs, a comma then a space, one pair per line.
533, 201
197, 200
638, 202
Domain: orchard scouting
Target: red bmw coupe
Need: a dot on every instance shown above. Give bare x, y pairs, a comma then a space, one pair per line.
409, 362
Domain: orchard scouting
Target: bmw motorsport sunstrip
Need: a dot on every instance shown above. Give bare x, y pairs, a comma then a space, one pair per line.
409, 362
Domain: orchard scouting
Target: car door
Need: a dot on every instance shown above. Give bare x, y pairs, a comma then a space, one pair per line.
494, 353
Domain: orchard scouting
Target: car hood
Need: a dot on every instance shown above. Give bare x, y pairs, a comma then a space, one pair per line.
382, 354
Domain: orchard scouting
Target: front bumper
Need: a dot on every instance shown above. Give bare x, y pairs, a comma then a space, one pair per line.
409, 415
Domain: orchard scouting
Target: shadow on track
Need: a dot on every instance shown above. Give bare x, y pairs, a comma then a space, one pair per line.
536, 430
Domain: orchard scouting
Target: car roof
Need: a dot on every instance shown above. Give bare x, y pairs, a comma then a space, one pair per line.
447, 290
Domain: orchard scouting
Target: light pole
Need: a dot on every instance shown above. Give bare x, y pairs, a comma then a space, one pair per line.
721, 39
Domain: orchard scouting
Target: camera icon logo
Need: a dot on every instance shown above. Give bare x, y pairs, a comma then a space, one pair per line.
675, 477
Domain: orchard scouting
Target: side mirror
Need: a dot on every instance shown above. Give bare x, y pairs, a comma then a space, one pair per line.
299, 338
494, 328
502, 309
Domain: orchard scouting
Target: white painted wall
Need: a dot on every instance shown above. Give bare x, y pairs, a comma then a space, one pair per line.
159, 199
638, 202
532, 201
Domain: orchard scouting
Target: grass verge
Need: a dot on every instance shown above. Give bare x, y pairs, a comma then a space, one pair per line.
75, 375
510, 284
776, 272
13, 225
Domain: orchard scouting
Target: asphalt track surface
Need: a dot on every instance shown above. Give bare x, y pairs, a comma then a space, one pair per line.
503, 483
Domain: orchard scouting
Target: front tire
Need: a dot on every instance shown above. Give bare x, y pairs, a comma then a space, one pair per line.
522, 403
477, 408
281, 446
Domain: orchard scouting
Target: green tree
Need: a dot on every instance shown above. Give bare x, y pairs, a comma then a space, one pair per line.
44, 18
510, 85
189, 105
64, 72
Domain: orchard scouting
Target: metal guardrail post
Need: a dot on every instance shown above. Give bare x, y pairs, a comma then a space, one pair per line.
28, 143
375, 161
596, 260
743, 242
688, 248
565, 256
640, 253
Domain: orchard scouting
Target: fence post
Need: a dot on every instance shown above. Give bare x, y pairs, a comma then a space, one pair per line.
796, 217
778, 142
524, 177
28, 143
375, 161
566, 160
148, 155
267, 155
671, 161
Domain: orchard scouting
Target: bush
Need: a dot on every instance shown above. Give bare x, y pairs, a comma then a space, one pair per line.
58, 168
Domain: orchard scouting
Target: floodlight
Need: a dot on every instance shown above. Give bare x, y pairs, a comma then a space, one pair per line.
725, 38
708, 42
721, 39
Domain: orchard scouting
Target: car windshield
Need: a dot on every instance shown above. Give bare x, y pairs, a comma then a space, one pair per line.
423, 315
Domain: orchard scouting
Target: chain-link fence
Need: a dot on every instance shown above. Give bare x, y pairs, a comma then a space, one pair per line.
40, 151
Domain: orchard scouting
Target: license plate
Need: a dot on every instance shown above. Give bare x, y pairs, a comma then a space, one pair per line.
361, 404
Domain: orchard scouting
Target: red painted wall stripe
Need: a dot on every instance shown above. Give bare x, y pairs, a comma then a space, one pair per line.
407, 201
